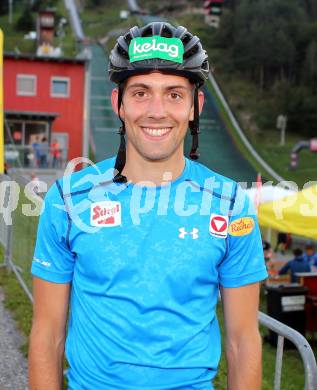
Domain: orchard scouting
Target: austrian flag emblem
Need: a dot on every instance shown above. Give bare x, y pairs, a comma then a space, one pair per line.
218, 226
105, 214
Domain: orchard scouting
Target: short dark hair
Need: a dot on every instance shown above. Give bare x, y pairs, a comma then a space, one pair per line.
266, 245
297, 252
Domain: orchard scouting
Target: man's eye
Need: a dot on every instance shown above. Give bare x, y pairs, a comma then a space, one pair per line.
175, 96
139, 94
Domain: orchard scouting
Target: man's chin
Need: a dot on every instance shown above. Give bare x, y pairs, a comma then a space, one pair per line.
156, 157
157, 154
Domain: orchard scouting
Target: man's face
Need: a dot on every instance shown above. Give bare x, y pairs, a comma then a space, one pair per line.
309, 251
156, 109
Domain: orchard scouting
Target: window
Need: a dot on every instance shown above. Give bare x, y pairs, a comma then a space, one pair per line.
26, 85
60, 87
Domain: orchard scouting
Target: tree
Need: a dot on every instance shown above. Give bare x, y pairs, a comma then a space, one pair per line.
38, 5
4, 7
25, 22
311, 7
310, 66
263, 38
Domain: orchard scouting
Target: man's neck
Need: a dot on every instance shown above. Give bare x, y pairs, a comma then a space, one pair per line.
155, 172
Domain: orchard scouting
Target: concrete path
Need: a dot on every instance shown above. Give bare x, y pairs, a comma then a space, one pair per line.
13, 365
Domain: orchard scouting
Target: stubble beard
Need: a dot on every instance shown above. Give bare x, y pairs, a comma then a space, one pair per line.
157, 155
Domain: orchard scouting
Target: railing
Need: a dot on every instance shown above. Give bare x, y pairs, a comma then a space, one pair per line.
35, 157
18, 230
302, 346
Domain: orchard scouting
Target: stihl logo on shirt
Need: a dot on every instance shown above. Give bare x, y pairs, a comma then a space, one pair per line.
105, 214
218, 225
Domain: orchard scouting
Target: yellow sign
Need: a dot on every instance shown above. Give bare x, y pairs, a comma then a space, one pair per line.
1, 105
241, 226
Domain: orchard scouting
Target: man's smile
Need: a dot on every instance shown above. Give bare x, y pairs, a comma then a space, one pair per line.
156, 132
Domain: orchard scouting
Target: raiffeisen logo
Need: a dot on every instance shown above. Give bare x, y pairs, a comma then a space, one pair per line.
170, 49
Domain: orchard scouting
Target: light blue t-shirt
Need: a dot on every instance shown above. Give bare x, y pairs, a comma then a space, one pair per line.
145, 264
310, 259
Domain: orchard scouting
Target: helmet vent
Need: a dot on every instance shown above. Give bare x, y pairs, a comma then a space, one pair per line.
147, 32
166, 32
122, 52
191, 52
186, 39
128, 38
205, 65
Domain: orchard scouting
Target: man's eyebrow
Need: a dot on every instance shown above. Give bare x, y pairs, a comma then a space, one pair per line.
146, 86
177, 86
138, 85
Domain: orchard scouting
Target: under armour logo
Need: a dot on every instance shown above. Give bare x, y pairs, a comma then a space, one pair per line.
183, 233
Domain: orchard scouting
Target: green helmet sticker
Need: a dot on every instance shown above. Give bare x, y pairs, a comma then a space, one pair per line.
170, 49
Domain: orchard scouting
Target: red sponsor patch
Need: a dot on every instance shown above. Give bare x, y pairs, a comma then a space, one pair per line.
106, 213
218, 225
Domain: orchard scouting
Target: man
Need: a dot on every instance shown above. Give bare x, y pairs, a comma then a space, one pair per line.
298, 264
43, 152
36, 150
267, 251
55, 151
145, 251
310, 256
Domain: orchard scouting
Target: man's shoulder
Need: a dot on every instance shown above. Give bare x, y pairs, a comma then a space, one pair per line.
225, 189
208, 180
200, 172
86, 178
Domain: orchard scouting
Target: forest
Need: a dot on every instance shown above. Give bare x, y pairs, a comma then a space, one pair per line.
274, 44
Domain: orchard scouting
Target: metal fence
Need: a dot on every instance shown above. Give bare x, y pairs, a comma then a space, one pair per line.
18, 226
18, 239
302, 346
3, 227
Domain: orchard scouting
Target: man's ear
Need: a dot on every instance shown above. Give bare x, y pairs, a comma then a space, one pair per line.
114, 102
201, 101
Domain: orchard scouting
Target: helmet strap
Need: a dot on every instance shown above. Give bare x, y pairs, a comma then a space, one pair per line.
194, 128
121, 155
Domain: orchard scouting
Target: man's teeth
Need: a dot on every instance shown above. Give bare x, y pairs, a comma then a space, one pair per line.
156, 132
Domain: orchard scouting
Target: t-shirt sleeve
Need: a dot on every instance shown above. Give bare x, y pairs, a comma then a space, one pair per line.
243, 262
53, 260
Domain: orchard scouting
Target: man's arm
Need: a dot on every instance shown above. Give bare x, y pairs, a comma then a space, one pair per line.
47, 337
284, 269
243, 340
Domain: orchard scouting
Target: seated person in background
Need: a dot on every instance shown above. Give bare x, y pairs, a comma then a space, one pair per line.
267, 250
284, 242
310, 256
298, 264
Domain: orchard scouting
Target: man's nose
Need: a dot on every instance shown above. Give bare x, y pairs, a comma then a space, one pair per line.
157, 107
